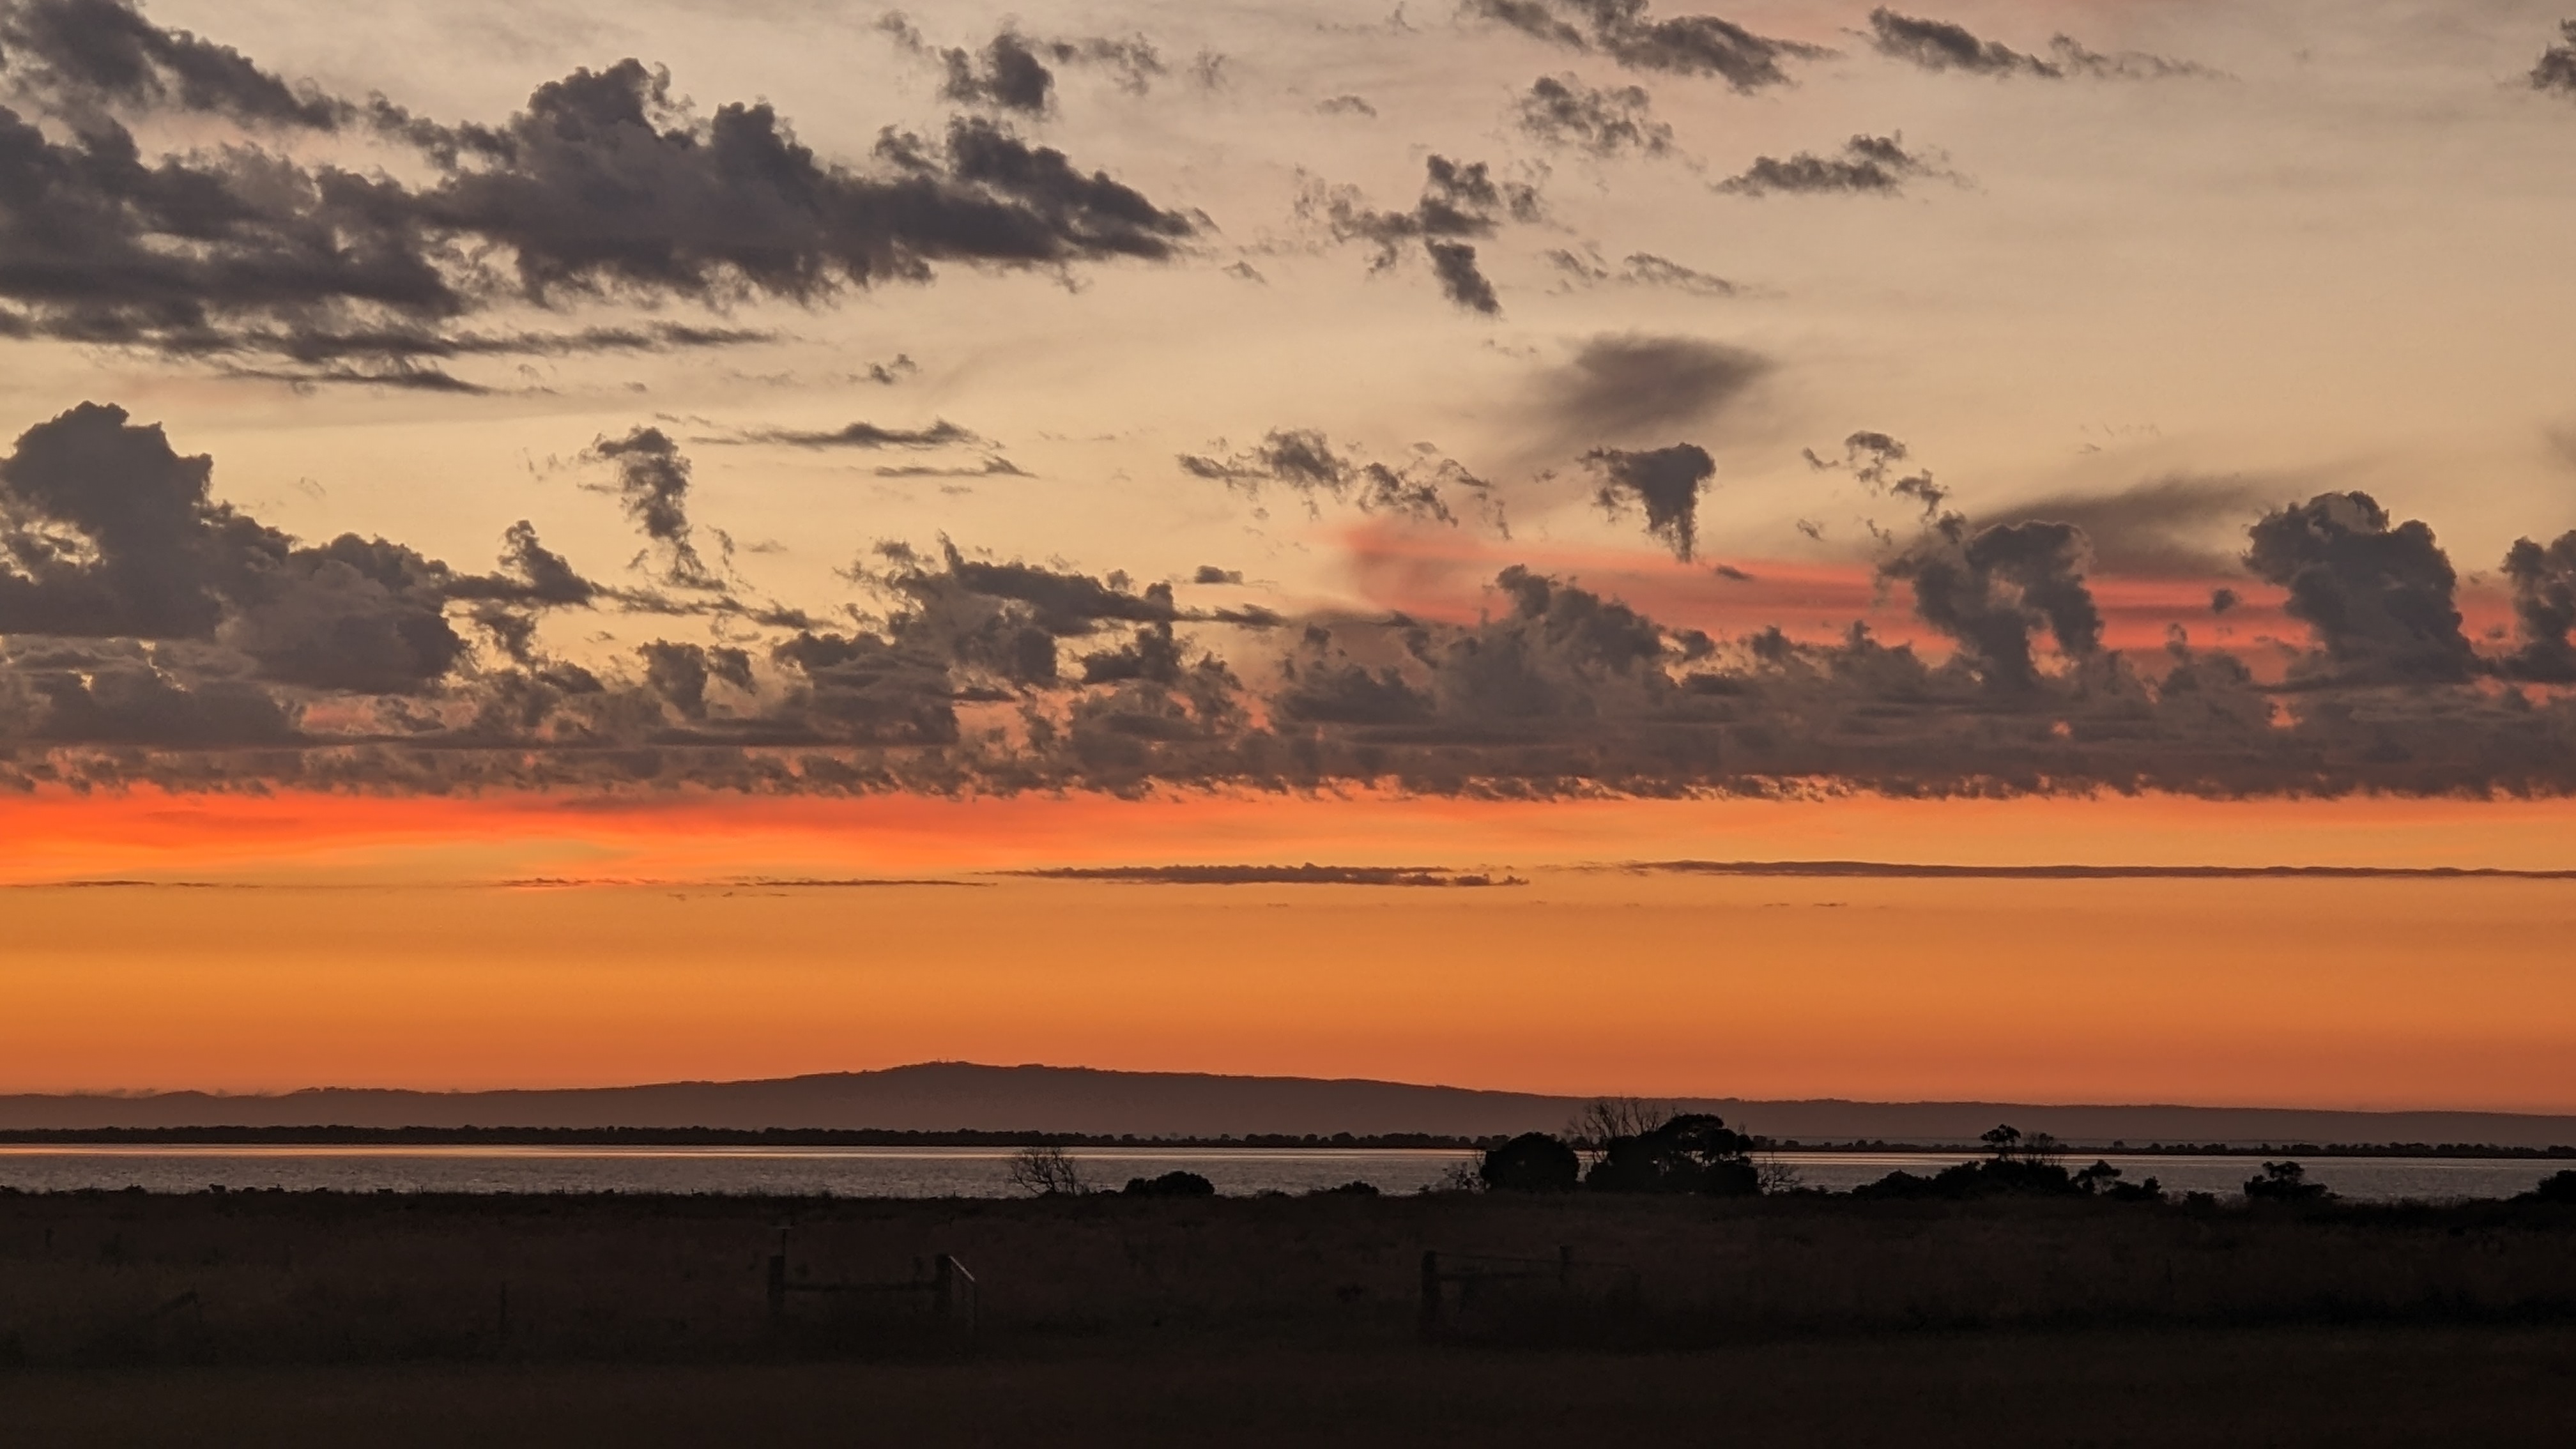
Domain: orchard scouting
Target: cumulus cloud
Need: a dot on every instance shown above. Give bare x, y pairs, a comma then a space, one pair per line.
1560, 110
2543, 578
87, 57
2556, 70
1460, 200
1664, 482
2378, 594
1696, 45
1866, 166
607, 186
1990, 589
149, 633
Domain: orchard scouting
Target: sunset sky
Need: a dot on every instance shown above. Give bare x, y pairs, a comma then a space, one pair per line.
516, 510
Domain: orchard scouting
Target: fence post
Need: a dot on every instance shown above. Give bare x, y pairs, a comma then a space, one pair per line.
777, 1287
1430, 1321
945, 1290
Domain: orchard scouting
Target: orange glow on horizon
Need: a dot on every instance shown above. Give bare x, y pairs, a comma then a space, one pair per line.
687, 835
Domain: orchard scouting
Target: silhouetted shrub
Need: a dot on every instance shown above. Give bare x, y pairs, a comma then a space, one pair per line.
1693, 1152
1531, 1162
2015, 1167
1353, 1188
2557, 1187
1170, 1184
2103, 1180
2284, 1182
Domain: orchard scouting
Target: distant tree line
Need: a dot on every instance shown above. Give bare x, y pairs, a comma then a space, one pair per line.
1626, 1146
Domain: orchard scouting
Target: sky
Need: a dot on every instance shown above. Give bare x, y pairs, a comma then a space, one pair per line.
461, 446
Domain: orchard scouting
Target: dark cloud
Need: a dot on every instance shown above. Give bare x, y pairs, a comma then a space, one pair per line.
1011, 70
1345, 106
107, 533
607, 183
1623, 387
1879, 463
1009, 75
940, 434
2543, 578
1665, 482
96, 55
1940, 45
1561, 110
607, 186
1227, 875
150, 634
1305, 462
1699, 45
2180, 525
1867, 166
1461, 281
653, 483
1989, 589
2377, 594
1460, 200
1641, 269
2556, 70
1211, 574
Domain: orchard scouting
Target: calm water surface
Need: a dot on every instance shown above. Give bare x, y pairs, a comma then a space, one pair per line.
985, 1172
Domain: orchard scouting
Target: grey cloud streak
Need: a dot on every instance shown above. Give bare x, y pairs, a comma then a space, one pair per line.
1697, 45
1940, 45
1866, 166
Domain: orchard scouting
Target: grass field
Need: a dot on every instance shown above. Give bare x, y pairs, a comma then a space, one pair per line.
383, 1319
2347, 1387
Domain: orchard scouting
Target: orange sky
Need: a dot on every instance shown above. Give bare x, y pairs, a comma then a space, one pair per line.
291, 837
2315, 993
378, 950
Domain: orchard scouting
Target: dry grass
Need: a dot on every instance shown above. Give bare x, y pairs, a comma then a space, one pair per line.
127, 1278
2352, 1388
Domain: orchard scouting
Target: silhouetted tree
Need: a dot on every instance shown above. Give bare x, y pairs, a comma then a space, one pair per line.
1531, 1162
1170, 1184
1608, 1119
2284, 1182
1693, 1152
1048, 1171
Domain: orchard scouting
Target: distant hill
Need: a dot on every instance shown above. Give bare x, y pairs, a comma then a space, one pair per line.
961, 1096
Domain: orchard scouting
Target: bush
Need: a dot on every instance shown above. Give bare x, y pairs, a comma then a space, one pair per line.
2558, 1187
1531, 1162
1170, 1184
2284, 1182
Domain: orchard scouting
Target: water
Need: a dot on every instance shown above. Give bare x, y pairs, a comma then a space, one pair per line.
985, 1172
794, 1171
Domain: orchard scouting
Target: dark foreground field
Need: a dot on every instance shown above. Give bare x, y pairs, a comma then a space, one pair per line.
285, 1320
